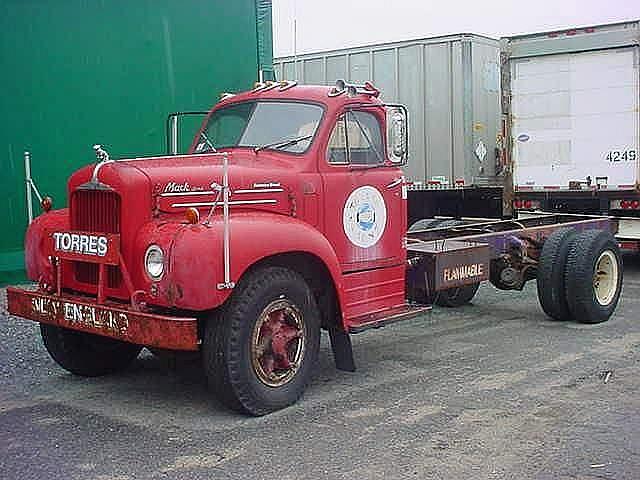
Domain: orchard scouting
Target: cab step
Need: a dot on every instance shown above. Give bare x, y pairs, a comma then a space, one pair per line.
385, 317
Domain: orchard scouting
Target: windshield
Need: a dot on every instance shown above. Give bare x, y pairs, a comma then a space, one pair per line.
285, 126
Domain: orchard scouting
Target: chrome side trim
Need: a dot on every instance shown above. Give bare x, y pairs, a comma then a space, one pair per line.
180, 194
215, 192
259, 190
236, 202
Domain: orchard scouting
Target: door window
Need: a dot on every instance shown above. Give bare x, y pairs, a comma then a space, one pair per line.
356, 139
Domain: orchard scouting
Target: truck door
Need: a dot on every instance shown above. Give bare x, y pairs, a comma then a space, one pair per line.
364, 196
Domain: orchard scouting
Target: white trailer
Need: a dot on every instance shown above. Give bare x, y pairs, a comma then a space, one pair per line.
571, 104
451, 88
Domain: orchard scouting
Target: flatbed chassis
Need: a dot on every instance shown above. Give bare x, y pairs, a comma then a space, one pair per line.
479, 243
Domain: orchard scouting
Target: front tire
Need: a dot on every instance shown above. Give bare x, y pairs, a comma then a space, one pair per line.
260, 348
85, 354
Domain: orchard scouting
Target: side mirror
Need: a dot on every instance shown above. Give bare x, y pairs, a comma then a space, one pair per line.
397, 138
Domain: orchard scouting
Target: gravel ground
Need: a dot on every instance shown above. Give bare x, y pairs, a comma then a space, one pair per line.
492, 390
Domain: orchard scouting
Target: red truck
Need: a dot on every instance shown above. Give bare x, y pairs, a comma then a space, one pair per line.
287, 216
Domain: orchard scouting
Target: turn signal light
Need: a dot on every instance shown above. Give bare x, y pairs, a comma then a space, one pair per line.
46, 204
192, 215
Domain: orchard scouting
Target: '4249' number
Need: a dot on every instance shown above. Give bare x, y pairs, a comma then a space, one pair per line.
622, 155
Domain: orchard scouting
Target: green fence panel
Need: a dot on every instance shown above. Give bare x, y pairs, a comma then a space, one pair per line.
79, 72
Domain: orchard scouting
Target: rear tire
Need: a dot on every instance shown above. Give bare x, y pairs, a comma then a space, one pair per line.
259, 350
550, 278
457, 296
85, 354
593, 276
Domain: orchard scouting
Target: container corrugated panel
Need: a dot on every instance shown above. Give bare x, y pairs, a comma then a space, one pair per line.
76, 73
450, 85
574, 107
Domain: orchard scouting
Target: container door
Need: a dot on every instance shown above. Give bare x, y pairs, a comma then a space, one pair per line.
575, 119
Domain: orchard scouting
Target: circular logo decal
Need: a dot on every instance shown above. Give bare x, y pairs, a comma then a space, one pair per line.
364, 216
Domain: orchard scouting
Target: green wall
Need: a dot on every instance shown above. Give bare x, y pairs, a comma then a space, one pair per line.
75, 73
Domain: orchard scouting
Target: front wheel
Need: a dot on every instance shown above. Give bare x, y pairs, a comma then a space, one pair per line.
260, 349
85, 354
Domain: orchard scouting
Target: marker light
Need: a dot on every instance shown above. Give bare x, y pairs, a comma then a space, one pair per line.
192, 215
46, 204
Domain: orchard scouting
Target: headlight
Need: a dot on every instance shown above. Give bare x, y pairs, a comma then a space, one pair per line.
154, 262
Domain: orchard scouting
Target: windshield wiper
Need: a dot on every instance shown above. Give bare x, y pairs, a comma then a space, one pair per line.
209, 143
283, 143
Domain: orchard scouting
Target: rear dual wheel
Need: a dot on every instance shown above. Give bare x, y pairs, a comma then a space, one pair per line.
580, 276
457, 296
551, 278
593, 276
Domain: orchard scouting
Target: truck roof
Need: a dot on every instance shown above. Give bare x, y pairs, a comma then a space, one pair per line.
288, 90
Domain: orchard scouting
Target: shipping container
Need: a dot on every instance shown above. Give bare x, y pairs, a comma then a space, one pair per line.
451, 88
77, 73
571, 104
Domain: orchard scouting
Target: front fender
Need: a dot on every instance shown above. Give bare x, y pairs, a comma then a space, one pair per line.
36, 262
196, 262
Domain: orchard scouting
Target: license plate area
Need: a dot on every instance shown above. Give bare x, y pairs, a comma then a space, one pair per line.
91, 247
113, 320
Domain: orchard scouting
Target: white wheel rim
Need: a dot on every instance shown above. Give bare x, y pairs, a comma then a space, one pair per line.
605, 278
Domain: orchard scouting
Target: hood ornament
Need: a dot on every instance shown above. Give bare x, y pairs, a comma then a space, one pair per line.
102, 156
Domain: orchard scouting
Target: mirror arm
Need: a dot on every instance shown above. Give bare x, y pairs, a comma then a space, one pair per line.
172, 124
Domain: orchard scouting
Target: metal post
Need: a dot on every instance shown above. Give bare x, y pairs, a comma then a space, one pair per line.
174, 135
295, 41
225, 215
27, 179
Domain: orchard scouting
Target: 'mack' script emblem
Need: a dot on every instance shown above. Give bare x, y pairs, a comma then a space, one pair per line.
173, 187
84, 244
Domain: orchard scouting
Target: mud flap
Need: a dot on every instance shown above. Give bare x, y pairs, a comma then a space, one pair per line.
342, 351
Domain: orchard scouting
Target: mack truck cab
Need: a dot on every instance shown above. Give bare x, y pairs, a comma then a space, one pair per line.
288, 215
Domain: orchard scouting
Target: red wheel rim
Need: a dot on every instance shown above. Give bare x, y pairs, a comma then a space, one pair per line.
277, 343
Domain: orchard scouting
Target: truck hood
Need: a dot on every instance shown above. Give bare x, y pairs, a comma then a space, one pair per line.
174, 183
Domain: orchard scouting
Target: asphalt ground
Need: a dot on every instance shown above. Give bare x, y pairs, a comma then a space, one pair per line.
492, 390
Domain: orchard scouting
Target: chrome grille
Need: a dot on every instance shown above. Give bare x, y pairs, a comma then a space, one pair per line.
95, 211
